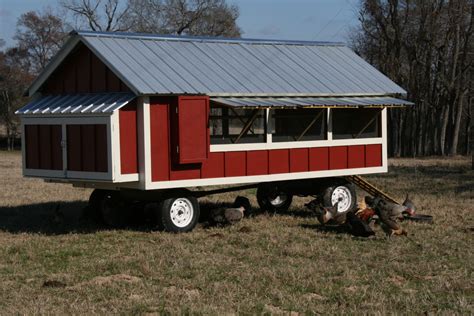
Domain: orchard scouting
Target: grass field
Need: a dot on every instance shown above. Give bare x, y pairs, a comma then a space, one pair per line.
276, 264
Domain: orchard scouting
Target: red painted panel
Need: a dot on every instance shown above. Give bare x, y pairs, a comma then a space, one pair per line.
299, 160
45, 146
279, 161
113, 82
319, 158
83, 66
82, 71
128, 139
257, 162
356, 156
338, 157
88, 147
235, 164
98, 75
74, 155
70, 77
183, 172
56, 150
373, 155
101, 164
32, 146
214, 166
193, 133
159, 138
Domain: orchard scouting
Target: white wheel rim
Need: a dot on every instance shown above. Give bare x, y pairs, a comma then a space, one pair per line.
181, 212
280, 199
342, 195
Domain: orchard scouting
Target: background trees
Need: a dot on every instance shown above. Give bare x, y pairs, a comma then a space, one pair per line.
426, 47
39, 36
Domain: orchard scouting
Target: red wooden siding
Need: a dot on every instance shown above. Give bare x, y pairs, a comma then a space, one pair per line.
235, 164
214, 166
356, 156
279, 161
338, 157
193, 131
257, 162
166, 166
82, 72
318, 159
299, 160
128, 139
43, 147
87, 148
373, 155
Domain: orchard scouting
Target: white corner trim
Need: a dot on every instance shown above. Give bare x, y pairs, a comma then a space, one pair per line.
144, 147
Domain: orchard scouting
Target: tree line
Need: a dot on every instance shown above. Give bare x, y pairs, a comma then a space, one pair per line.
424, 45
427, 47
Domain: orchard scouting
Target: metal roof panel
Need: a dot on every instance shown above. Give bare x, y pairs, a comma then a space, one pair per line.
311, 102
77, 104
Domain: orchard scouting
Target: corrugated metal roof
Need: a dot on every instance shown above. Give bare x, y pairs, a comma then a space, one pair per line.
312, 102
236, 67
77, 104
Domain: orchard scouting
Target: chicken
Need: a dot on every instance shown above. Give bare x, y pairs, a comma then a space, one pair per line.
410, 206
388, 214
366, 214
357, 227
391, 209
327, 214
230, 215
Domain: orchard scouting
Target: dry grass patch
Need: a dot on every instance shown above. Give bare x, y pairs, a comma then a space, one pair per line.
266, 264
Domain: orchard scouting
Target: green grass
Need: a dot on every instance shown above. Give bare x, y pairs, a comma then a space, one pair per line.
279, 264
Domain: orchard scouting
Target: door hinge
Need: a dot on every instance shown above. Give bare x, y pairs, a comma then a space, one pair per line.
177, 149
63, 143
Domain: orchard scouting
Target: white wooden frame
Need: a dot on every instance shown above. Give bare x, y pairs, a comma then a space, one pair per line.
145, 160
113, 173
329, 141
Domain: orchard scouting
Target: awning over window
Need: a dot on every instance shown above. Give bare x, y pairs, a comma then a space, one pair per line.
77, 104
312, 102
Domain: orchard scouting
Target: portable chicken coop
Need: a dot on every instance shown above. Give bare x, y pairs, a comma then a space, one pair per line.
148, 116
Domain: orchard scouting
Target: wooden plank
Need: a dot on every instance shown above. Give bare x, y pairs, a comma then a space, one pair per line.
299, 160
101, 148
88, 147
279, 161
32, 146
257, 162
159, 140
56, 148
74, 148
45, 147
319, 159
128, 139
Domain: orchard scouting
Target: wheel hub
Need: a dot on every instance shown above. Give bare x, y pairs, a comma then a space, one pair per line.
181, 212
342, 195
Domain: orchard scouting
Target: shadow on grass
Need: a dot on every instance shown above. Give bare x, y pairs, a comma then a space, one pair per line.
57, 218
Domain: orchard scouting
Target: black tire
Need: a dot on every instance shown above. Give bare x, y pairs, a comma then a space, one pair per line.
178, 214
271, 198
107, 208
344, 190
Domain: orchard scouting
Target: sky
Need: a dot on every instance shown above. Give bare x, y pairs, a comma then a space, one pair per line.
313, 20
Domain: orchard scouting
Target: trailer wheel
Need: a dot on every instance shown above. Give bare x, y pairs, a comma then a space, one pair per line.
107, 208
178, 214
112, 209
271, 198
344, 193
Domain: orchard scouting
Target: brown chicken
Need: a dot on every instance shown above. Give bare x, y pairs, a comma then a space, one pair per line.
410, 206
366, 214
388, 214
331, 215
230, 215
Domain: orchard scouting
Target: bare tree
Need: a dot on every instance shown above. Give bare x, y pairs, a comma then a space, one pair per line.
180, 17
14, 79
40, 35
98, 15
425, 46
